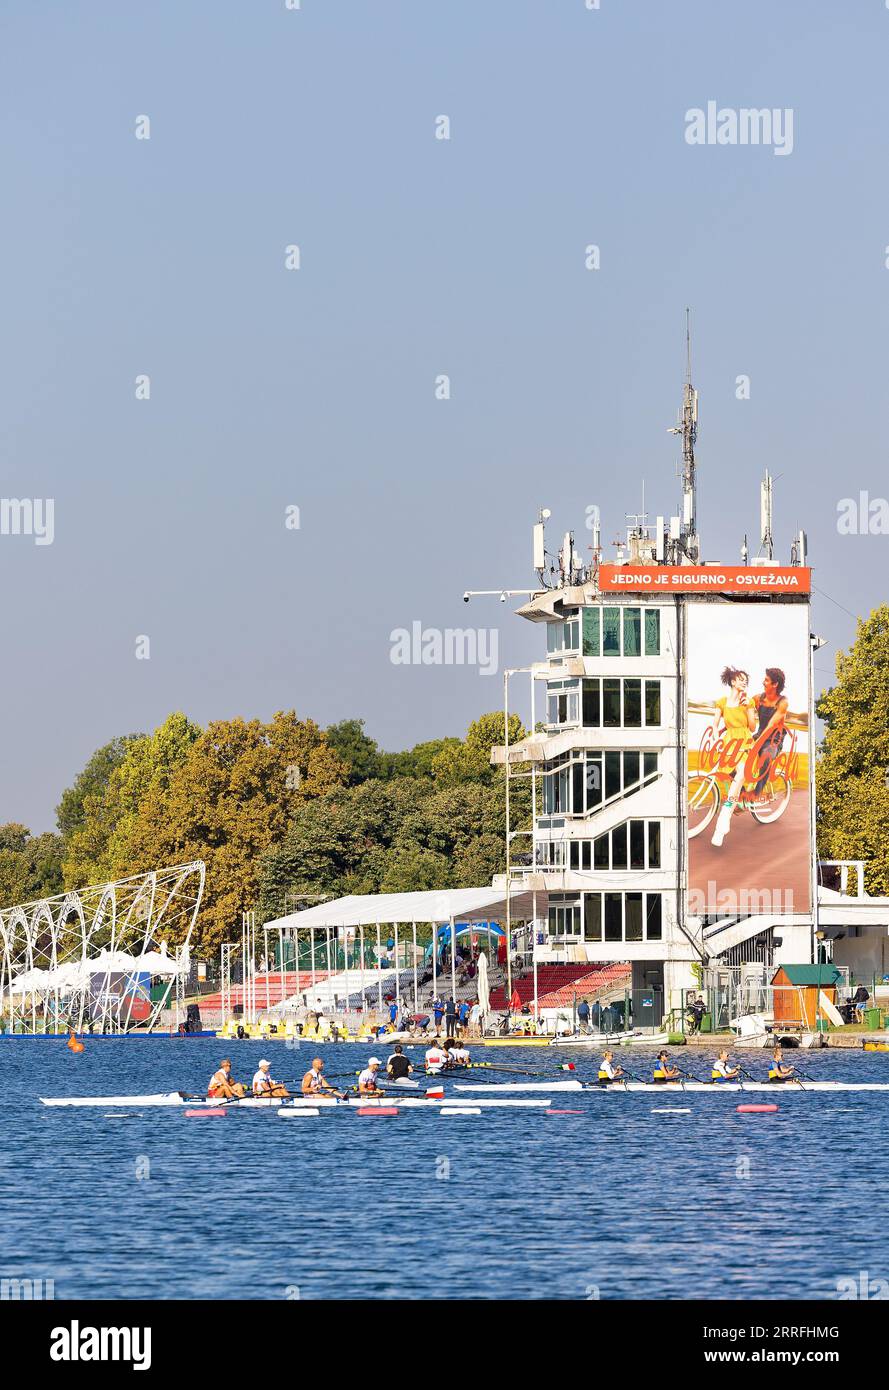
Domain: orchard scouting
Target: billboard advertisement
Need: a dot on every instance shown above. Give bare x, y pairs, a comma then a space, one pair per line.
748, 789
704, 579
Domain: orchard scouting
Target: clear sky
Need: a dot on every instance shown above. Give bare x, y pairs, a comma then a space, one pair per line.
315, 388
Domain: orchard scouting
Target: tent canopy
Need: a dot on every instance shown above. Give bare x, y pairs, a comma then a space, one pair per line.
459, 904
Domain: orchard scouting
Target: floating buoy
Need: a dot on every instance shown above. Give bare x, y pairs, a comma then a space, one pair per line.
676, 1110
756, 1109
74, 1045
564, 1112
377, 1110
460, 1110
291, 1110
199, 1114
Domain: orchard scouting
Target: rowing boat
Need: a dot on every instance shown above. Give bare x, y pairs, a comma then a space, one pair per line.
179, 1098
519, 1086
714, 1087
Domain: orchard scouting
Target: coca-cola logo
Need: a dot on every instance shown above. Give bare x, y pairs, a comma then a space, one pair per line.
721, 755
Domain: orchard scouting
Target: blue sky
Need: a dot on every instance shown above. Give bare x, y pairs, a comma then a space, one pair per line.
315, 388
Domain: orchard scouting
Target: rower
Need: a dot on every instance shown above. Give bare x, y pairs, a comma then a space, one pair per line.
722, 1071
779, 1070
608, 1072
459, 1055
367, 1080
398, 1066
436, 1059
263, 1085
664, 1071
221, 1083
315, 1081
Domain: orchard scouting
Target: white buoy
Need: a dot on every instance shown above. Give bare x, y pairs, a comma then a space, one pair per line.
460, 1110
297, 1110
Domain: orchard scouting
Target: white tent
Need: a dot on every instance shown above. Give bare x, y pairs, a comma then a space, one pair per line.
444, 905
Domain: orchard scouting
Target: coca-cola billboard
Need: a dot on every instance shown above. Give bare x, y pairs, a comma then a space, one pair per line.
748, 793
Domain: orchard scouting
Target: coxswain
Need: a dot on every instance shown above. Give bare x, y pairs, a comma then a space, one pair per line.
367, 1080
263, 1085
398, 1066
779, 1071
315, 1081
436, 1059
221, 1083
664, 1071
608, 1072
722, 1071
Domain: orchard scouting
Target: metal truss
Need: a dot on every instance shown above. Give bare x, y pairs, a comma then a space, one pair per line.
81, 959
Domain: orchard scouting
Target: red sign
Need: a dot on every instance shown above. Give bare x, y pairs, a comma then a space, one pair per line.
705, 579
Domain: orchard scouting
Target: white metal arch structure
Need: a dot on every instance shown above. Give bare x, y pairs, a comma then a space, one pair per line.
73, 960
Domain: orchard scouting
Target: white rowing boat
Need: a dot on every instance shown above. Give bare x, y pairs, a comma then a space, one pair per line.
518, 1086
178, 1099
714, 1087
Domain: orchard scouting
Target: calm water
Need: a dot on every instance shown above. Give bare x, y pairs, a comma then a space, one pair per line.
518, 1204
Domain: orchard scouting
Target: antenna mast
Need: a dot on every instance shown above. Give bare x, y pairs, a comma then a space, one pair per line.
689, 541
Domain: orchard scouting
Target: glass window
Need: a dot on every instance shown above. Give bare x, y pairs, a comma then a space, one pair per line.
611, 703
577, 778
591, 632
573, 707
650, 764
613, 916
553, 636
653, 925
654, 844
552, 709
585, 854
631, 769
637, 844
652, 703
633, 917
632, 632
612, 774
632, 704
593, 779
600, 848
592, 711
575, 854
619, 847
592, 916
652, 632
611, 632
572, 634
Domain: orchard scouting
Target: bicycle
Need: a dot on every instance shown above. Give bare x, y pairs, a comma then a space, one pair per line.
708, 791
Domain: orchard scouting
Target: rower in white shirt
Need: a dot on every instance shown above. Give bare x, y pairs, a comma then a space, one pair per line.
263, 1085
436, 1059
367, 1080
608, 1072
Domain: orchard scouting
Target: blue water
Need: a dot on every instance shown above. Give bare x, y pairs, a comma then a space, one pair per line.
517, 1204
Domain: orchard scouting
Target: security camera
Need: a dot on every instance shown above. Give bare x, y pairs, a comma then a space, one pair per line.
502, 598
466, 597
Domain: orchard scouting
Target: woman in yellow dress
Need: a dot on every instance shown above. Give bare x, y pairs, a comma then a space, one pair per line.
739, 721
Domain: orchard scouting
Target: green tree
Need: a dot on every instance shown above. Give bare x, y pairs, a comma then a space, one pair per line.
470, 761
30, 865
355, 748
71, 812
853, 766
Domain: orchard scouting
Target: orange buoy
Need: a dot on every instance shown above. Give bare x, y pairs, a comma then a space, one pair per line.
199, 1114
377, 1110
756, 1109
74, 1045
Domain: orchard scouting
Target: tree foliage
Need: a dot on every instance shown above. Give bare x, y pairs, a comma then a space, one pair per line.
853, 767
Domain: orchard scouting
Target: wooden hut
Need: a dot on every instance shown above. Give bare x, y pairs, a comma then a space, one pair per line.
797, 988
